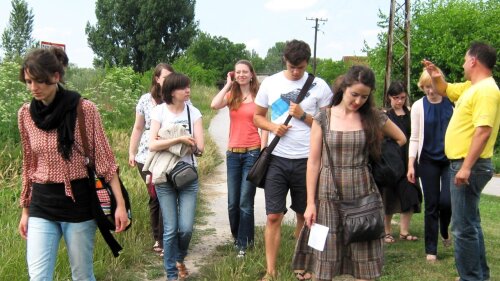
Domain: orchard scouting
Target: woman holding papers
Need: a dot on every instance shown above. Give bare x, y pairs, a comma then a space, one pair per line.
354, 133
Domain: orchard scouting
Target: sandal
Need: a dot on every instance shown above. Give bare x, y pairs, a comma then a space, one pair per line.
408, 237
389, 239
302, 275
181, 267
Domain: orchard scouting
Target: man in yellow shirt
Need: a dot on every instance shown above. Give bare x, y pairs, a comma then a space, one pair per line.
469, 144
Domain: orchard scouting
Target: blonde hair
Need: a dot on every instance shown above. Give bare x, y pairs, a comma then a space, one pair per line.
425, 79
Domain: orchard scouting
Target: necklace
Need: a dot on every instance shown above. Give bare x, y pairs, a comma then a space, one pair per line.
245, 97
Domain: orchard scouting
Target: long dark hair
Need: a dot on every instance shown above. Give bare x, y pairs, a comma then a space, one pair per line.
155, 86
370, 115
236, 97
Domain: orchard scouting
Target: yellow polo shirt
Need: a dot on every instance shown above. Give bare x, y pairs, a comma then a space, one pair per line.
475, 105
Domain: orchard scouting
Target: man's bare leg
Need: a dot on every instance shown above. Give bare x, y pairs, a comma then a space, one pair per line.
272, 236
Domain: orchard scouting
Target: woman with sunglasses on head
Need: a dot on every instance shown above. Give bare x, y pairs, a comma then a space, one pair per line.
430, 116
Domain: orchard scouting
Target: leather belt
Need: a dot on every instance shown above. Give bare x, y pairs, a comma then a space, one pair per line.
242, 149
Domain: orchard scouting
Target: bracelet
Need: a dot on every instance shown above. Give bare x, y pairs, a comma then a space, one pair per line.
303, 117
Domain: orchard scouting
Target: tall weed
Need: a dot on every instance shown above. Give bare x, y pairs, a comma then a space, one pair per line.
13, 94
115, 91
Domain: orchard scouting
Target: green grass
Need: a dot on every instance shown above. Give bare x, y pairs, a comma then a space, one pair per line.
137, 261
403, 260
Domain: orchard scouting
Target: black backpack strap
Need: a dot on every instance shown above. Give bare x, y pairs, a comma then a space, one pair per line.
299, 99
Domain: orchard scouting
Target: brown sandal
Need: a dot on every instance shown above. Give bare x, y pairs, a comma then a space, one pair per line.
302, 275
408, 237
183, 273
389, 239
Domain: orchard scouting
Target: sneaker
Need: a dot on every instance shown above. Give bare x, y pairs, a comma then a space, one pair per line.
241, 254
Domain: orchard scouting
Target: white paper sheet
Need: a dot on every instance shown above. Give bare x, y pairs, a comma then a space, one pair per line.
317, 236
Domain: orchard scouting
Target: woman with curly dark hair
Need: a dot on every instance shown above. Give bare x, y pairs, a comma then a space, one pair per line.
354, 129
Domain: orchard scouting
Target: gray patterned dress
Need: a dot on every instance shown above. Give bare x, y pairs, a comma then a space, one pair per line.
362, 260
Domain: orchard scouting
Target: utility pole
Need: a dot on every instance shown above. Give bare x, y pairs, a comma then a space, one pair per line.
398, 33
316, 27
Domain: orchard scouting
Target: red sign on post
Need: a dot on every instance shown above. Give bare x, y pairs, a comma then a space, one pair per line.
46, 45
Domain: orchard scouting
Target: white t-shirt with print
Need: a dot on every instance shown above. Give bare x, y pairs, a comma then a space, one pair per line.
162, 114
275, 93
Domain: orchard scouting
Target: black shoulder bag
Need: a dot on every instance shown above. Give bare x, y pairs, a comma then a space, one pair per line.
361, 219
103, 199
183, 173
257, 174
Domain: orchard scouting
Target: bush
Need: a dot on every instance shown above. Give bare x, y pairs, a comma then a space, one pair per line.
116, 96
196, 72
13, 94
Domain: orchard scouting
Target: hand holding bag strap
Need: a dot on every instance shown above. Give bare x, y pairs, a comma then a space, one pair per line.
324, 127
299, 99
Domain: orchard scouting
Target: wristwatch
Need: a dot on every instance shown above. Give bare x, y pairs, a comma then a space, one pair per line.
303, 117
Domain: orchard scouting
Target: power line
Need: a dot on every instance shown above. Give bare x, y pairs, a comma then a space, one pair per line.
316, 27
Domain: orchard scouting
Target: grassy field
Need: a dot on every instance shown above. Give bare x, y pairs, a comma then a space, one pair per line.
137, 262
404, 260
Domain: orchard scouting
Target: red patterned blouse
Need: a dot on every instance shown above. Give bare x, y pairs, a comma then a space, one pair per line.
42, 163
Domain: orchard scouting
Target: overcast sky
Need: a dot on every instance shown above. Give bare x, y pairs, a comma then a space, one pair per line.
259, 24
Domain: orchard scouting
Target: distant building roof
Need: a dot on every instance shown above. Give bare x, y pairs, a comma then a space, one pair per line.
352, 60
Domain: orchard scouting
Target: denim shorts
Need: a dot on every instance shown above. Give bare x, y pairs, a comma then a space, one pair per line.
285, 174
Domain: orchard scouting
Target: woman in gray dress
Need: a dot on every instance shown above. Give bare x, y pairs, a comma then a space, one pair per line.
355, 128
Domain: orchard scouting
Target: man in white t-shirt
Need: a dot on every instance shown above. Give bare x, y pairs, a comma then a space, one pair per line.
287, 167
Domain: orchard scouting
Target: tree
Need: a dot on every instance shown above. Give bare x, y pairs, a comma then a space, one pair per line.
274, 58
141, 33
329, 69
216, 53
441, 30
16, 38
258, 63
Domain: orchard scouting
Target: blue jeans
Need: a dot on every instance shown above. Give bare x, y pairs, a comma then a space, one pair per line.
178, 208
43, 243
435, 177
470, 254
240, 196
